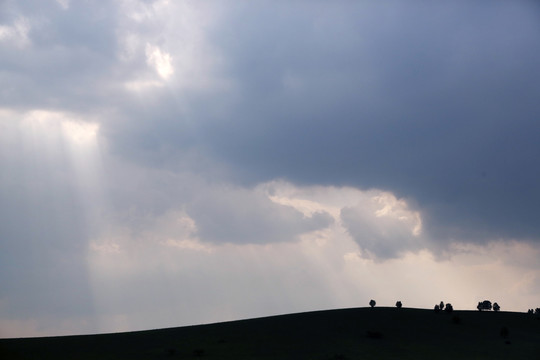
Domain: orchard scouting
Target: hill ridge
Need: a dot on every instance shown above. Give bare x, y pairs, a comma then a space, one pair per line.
352, 333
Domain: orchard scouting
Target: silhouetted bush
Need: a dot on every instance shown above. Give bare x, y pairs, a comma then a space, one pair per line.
399, 304
372, 303
437, 308
496, 307
448, 308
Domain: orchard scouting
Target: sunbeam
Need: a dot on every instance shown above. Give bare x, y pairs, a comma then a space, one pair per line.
60, 191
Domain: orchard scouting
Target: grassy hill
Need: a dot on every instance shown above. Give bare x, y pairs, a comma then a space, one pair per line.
360, 333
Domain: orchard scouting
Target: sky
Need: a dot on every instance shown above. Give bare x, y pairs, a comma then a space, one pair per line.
170, 163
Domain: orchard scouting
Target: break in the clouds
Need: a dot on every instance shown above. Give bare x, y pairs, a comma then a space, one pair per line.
220, 161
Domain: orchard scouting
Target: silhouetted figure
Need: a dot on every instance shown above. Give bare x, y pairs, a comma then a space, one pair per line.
441, 306
496, 307
372, 303
399, 304
449, 308
437, 308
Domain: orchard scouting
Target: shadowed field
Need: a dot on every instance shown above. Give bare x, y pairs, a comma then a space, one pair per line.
359, 333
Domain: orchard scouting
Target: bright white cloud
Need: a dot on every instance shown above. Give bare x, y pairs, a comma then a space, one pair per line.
174, 42
382, 225
16, 34
161, 61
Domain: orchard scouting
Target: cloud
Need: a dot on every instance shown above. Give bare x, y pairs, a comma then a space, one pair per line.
245, 216
427, 104
68, 54
159, 60
171, 38
16, 34
182, 210
384, 227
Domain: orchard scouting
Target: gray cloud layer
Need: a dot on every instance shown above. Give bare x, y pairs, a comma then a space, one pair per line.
437, 103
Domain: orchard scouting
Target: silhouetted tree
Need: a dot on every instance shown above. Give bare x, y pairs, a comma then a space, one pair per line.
441, 305
449, 308
372, 303
399, 304
496, 307
530, 311
437, 308
484, 305
537, 311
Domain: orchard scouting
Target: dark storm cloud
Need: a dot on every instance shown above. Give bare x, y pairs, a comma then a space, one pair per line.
436, 103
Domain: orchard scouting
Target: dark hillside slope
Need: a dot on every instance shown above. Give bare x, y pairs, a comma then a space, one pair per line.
363, 333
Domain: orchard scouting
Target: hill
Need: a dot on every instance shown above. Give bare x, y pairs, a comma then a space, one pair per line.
359, 333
